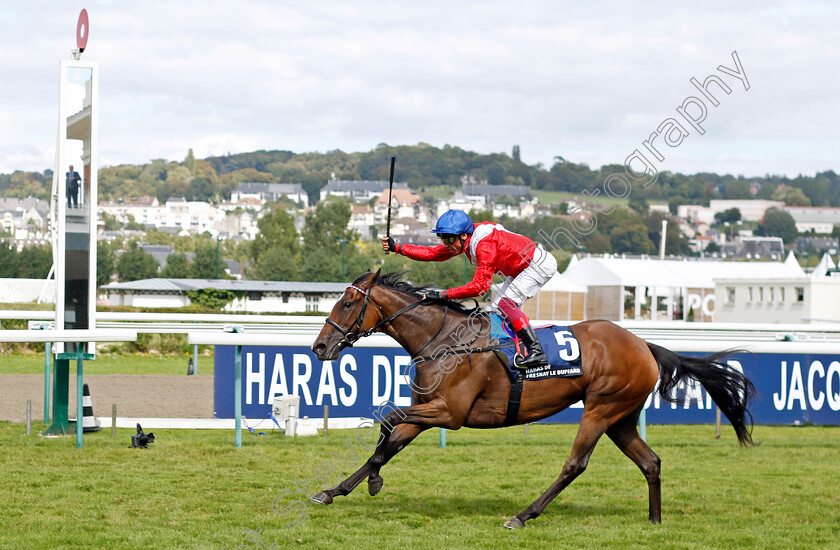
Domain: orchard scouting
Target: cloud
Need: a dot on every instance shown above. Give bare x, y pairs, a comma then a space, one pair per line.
588, 81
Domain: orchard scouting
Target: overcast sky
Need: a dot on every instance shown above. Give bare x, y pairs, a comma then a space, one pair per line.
589, 81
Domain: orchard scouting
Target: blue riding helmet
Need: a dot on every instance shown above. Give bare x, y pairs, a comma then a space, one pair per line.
454, 222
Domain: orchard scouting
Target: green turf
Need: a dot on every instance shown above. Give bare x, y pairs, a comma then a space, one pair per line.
33, 363
193, 489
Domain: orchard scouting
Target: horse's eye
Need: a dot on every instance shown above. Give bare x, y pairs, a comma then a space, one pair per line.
347, 305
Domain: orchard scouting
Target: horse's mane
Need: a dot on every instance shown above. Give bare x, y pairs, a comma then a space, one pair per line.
394, 280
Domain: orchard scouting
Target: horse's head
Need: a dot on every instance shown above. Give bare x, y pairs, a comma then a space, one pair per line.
349, 317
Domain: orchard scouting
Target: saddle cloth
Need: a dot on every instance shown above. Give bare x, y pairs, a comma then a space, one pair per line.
558, 343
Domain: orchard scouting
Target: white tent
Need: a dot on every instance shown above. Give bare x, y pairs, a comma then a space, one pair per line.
612, 271
638, 288
826, 263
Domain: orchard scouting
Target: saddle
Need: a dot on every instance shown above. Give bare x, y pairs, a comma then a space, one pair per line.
558, 343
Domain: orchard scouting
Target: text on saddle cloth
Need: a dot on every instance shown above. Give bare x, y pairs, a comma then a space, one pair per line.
558, 343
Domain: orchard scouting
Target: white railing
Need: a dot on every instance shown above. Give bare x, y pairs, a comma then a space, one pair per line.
649, 330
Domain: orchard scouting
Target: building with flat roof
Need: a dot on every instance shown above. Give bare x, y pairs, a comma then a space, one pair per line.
820, 219
251, 296
782, 300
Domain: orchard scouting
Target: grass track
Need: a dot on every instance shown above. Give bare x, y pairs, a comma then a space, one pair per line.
33, 363
193, 489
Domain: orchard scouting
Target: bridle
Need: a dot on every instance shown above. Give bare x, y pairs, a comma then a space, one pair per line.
351, 335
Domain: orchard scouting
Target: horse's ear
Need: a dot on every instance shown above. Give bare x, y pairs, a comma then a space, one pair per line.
370, 278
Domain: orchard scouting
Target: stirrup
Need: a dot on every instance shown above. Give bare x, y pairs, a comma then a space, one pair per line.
518, 359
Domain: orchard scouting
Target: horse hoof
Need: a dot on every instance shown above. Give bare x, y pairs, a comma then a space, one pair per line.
514, 523
321, 498
375, 485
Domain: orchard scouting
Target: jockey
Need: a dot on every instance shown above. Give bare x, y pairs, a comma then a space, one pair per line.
492, 249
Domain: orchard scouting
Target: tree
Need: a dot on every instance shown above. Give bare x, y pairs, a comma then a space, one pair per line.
638, 203
778, 223
276, 230
205, 265
211, 298
482, 216
34, 262
200, 189
632, 239
325, 228
135, 264
766, 191
189, 162
106, 262
177, 266
791, 195
111, 222
731, 215
277, 264
8, 260
738, 189
795, 197
495, 174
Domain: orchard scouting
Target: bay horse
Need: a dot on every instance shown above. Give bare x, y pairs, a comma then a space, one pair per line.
460, 380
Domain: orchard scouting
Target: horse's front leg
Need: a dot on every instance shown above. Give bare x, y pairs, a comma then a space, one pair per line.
402, 435
433, 414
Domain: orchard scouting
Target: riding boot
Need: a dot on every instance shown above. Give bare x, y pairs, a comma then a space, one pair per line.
536, 356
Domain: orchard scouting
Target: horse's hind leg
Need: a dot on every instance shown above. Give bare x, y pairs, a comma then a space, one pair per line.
626, 438
591, 428
401, 436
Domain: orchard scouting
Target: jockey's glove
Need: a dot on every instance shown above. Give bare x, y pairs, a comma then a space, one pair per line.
435, 294
392, 244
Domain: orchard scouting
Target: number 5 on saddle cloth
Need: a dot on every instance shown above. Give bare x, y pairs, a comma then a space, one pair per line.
558, 343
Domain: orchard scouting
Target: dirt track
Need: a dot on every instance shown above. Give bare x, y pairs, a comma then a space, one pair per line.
137, 395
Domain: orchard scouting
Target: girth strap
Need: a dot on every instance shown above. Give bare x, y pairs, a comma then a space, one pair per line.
514, 400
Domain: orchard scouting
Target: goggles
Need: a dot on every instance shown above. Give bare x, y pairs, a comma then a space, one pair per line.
448, 239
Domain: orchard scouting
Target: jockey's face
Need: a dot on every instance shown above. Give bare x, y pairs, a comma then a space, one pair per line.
453, 243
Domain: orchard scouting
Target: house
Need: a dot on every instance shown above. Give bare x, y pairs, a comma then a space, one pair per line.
492, 193
459, 201
819, 219
358, 191
251, 296
754, 248
270, 192
778, 300
751, 210
362, 220
144, 210
405, 203
820, 244
18, 214
193, 217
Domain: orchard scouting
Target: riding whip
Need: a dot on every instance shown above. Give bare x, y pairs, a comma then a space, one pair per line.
390, 191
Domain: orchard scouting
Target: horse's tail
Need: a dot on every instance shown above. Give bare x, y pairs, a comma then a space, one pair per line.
730, 389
